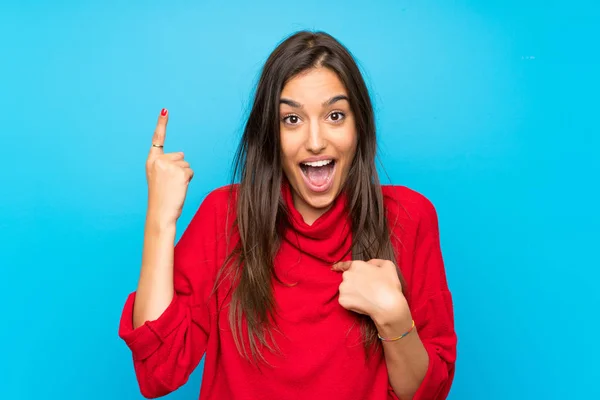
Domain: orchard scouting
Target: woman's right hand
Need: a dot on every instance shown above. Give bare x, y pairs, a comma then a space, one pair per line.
168, 176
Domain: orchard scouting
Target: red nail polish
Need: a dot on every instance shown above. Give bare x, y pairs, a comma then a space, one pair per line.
163, 112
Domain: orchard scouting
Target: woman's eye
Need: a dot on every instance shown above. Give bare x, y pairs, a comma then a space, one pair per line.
336, 116
291, 119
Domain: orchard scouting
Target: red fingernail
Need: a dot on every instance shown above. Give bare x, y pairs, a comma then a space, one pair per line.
163, 112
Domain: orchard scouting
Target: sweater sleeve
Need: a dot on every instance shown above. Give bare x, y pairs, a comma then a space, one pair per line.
433, 308
165, 351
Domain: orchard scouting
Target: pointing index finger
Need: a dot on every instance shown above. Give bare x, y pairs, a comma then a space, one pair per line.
158, 139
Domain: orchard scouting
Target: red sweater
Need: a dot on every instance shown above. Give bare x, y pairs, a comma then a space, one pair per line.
321, 356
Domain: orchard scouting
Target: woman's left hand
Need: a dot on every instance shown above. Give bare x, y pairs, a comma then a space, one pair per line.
373, 288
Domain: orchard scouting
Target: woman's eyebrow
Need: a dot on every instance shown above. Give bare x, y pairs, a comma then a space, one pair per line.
329, 102
290, 103
335, 99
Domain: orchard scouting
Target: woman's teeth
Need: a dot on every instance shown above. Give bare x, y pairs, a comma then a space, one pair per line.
320, 163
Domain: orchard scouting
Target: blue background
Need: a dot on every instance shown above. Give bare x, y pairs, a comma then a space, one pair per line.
489, 108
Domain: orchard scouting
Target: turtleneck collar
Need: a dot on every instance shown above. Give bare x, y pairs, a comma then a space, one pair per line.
328, 239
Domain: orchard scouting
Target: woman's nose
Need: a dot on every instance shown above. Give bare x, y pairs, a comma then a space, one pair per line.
316, 142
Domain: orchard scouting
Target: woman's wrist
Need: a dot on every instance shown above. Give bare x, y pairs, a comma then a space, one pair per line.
394, 329
395, 321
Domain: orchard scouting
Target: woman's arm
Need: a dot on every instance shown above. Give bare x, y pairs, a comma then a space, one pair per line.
168, 176
421, 365
167, 347
166, 322
406, 359
155, 287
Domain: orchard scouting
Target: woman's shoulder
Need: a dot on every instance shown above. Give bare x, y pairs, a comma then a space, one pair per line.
214, 215
218, 201
221, 194
404, 204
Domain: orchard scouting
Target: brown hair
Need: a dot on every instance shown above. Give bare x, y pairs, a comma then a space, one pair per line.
260, 210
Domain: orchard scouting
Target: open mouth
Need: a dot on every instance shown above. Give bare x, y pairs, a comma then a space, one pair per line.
318, 174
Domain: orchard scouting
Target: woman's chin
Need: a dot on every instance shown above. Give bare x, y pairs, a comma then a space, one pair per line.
321, 203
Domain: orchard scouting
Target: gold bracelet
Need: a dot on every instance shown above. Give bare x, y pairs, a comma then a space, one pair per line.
399, 337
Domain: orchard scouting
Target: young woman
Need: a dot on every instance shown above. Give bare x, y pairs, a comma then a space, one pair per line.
305, 280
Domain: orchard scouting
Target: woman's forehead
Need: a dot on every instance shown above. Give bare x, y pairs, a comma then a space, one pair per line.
316, 87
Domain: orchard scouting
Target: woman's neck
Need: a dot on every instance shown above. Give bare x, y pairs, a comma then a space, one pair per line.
309, 214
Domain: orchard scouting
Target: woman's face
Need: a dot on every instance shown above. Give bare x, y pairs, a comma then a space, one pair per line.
318, 139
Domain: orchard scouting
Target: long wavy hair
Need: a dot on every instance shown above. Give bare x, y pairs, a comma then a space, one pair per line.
260, 209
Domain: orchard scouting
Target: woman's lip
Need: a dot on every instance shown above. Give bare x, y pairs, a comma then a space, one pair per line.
319, 189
